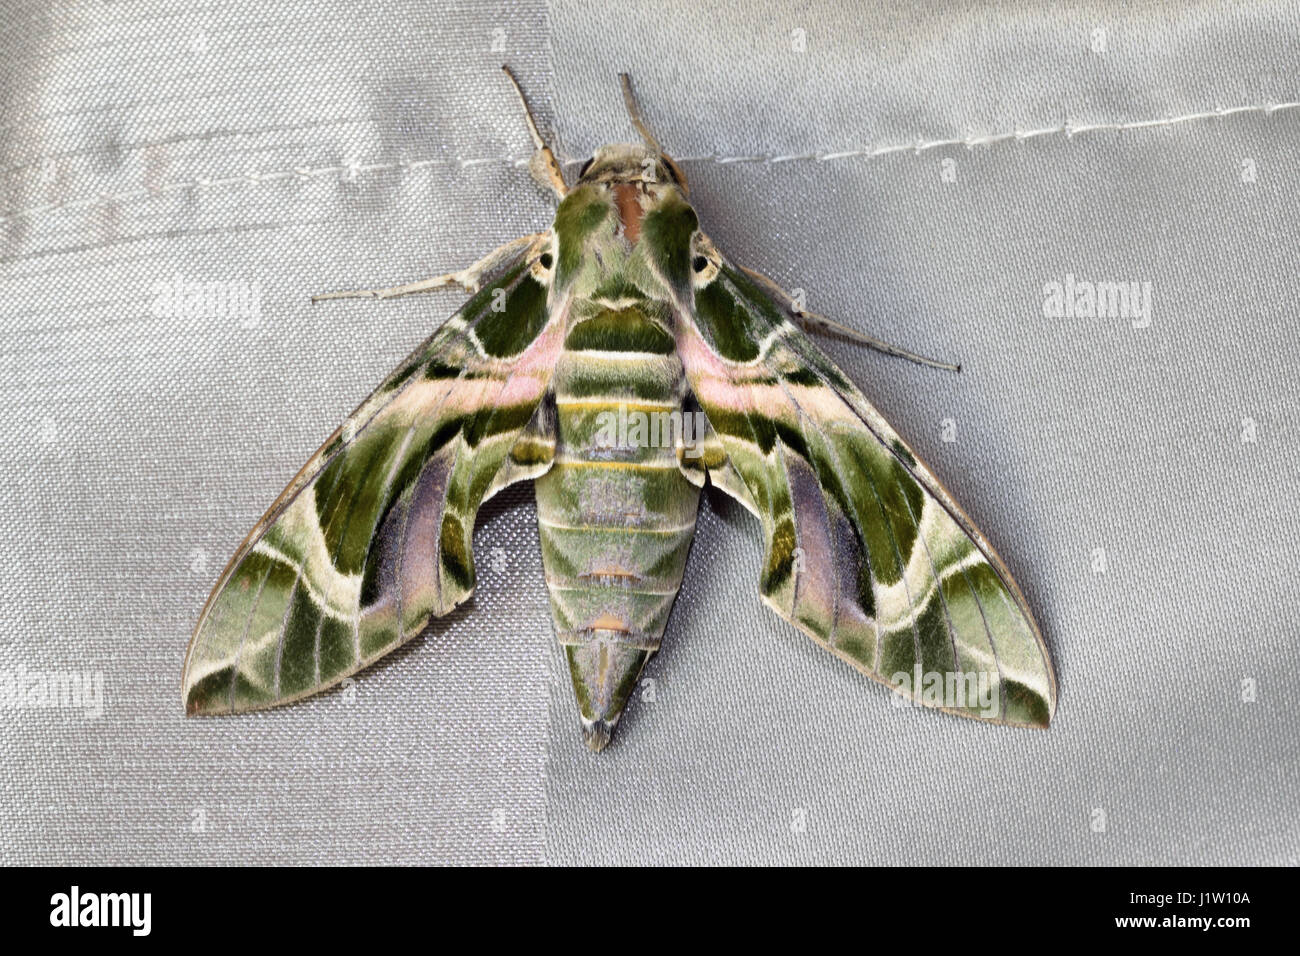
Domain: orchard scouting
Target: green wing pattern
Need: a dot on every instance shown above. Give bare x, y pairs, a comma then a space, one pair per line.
373, 537
865, 550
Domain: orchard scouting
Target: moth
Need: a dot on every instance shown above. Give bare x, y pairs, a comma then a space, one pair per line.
621, 362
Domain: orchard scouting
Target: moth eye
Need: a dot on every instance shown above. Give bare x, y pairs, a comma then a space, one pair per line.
546, 260
699, 264
586, 166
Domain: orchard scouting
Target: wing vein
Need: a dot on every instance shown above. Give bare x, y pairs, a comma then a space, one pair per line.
248, 623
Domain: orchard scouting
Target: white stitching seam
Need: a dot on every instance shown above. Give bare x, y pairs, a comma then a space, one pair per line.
350, 171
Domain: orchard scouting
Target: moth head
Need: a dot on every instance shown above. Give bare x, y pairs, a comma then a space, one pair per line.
626, 163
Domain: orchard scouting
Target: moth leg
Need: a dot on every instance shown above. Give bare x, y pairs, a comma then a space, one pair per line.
819, 324
468, 279
543, 166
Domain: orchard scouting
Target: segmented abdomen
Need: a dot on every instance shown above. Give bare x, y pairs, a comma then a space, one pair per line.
615, 512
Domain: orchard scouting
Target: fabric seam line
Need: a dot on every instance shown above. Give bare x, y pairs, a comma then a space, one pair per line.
350, 171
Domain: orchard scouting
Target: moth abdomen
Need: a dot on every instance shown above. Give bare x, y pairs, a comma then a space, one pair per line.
616, 516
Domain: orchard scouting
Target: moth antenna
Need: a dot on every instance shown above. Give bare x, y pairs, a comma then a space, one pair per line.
635, 115
528, 113
543, 167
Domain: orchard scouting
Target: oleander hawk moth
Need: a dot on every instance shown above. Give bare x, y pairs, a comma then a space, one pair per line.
621, 362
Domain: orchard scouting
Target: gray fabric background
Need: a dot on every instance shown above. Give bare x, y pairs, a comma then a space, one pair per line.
315, 145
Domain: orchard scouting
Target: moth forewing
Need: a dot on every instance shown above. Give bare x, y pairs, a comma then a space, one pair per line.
866, 552
373, 537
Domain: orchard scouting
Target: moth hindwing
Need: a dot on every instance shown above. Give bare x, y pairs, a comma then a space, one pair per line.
620, 361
